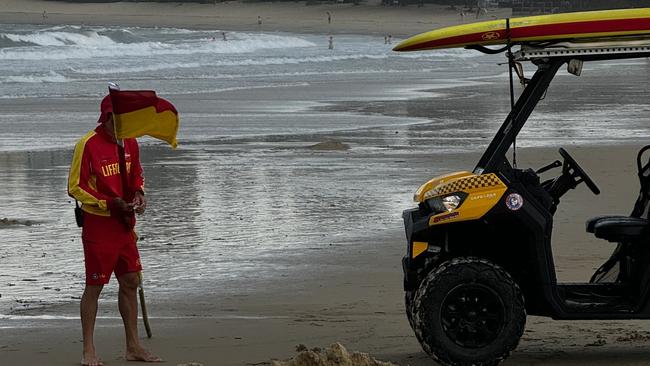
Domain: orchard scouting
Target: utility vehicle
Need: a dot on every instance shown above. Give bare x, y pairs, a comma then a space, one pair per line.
478, 255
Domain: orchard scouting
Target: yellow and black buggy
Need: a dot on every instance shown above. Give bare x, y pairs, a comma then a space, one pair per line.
468, 286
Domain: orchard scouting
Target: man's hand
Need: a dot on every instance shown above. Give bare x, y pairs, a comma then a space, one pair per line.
122, 211
121, 205
139, 203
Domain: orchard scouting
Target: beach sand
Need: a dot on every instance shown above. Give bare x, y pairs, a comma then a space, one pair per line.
352, 293
369, 18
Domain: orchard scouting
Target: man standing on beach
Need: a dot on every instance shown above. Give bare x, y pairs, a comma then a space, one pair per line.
109, 240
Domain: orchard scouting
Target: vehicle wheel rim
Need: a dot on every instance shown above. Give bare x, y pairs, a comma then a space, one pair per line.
472, 315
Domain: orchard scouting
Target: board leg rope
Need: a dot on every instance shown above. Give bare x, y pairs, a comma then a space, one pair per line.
143, 305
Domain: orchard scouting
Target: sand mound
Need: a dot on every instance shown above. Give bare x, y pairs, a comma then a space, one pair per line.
330, 145
15, 222
335, 355
634, 336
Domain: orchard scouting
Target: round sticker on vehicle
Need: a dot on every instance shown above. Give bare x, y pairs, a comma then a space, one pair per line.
514, 201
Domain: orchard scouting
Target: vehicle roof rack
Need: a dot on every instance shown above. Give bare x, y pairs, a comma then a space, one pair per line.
601, 50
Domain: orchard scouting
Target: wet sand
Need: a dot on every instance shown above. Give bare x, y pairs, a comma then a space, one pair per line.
352, 294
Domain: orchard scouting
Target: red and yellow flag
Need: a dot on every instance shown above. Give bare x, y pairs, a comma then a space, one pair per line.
141, 112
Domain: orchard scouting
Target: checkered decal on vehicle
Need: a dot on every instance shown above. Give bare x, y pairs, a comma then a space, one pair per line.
465, 184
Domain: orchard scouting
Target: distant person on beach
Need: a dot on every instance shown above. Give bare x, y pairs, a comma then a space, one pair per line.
390, 38
331, 43
109, 241
329, 18
224, 36
259, 20
481, 10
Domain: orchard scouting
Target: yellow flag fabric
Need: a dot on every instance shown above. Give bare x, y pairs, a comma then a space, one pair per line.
147, 121
140, 113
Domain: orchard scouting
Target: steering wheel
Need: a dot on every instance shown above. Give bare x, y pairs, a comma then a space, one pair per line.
578, 172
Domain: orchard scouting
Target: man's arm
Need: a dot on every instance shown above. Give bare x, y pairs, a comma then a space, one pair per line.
81, 182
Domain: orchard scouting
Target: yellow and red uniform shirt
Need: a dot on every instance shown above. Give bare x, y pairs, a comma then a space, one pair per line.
94, 178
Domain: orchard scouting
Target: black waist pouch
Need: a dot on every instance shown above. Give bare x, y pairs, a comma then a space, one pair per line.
78, 215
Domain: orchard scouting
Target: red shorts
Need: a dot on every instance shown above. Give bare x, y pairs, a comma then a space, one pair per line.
108, 247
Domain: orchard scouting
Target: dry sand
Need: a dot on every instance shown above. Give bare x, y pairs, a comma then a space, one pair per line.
354, 297
335, 355
370, 18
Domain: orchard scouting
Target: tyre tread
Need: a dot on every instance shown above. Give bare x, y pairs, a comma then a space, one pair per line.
447, 270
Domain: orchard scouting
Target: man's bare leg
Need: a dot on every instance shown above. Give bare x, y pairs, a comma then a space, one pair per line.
128, 304
88, 316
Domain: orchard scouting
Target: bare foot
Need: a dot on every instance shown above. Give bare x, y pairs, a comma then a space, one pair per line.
91, 360
141, 354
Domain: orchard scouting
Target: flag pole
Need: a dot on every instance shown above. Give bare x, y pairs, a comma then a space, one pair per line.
120, 143
126, 193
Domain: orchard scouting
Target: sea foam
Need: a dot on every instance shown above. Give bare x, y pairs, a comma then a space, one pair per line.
90, 38
84, 44
51, 77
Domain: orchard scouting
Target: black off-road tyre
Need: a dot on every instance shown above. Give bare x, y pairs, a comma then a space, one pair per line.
468, 311
408, 305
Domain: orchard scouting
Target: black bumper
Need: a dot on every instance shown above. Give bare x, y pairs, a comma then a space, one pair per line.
416, 225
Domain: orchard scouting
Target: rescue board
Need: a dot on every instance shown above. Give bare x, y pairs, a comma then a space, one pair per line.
596, 25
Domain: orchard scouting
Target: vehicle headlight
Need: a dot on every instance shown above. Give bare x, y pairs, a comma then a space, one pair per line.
446, 203
451, 202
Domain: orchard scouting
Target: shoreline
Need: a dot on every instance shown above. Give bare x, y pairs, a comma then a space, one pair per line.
294, 17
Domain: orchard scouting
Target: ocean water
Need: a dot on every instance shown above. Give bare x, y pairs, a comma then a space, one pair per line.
245, 200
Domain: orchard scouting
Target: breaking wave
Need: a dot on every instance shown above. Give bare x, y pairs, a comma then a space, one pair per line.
71, 43
51, 77
56, 38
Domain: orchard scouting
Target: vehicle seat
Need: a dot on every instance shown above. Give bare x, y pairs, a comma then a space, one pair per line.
591, 223
621, 229
617, 228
